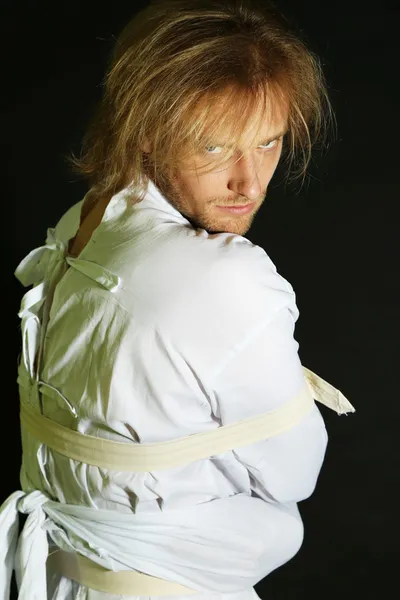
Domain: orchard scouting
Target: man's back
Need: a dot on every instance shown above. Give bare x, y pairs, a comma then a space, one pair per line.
174, 351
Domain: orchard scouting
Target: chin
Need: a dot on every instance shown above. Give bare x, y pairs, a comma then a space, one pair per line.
226, 228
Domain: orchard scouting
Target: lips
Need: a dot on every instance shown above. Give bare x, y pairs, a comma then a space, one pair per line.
238, 210
235, 206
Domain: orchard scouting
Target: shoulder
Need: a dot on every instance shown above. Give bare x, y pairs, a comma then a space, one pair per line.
238, 262
221, 281
244, 273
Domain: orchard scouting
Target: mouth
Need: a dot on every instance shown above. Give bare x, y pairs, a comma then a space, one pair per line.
238, 210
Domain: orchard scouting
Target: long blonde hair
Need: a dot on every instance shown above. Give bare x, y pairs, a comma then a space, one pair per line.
170, 66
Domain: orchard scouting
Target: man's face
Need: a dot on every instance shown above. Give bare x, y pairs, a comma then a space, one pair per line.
198, 197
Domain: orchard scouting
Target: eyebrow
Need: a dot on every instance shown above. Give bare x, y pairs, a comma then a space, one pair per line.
263, 141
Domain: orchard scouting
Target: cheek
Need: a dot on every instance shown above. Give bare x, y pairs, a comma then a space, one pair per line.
203, 187
271, 162
192, 193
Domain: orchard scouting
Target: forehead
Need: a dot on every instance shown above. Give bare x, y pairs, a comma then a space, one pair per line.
237, 115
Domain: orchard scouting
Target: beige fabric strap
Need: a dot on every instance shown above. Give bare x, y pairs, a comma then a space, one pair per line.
326, 394
130, 583
131, 456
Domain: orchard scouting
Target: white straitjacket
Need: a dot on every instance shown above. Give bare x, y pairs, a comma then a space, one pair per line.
159, 331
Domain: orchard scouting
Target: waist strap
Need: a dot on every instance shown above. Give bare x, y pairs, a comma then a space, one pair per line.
130, 583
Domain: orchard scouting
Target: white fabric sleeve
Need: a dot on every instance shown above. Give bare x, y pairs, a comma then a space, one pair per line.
262, 376
233, 321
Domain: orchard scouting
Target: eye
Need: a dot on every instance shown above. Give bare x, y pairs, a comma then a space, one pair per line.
210, 152
267, 146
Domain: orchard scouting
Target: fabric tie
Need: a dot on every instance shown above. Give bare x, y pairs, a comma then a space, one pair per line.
30, 554
40, 268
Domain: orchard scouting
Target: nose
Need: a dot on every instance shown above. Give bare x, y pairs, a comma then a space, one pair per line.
244, 178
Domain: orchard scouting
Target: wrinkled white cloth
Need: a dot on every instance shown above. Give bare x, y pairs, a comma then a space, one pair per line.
117, 541
158, 331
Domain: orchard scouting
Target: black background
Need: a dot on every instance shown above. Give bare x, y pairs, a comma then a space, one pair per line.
335, 240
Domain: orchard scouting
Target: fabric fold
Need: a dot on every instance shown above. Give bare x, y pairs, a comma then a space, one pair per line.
194, 547
28, 554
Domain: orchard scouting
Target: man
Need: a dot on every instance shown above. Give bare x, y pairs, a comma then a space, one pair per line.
168, 426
